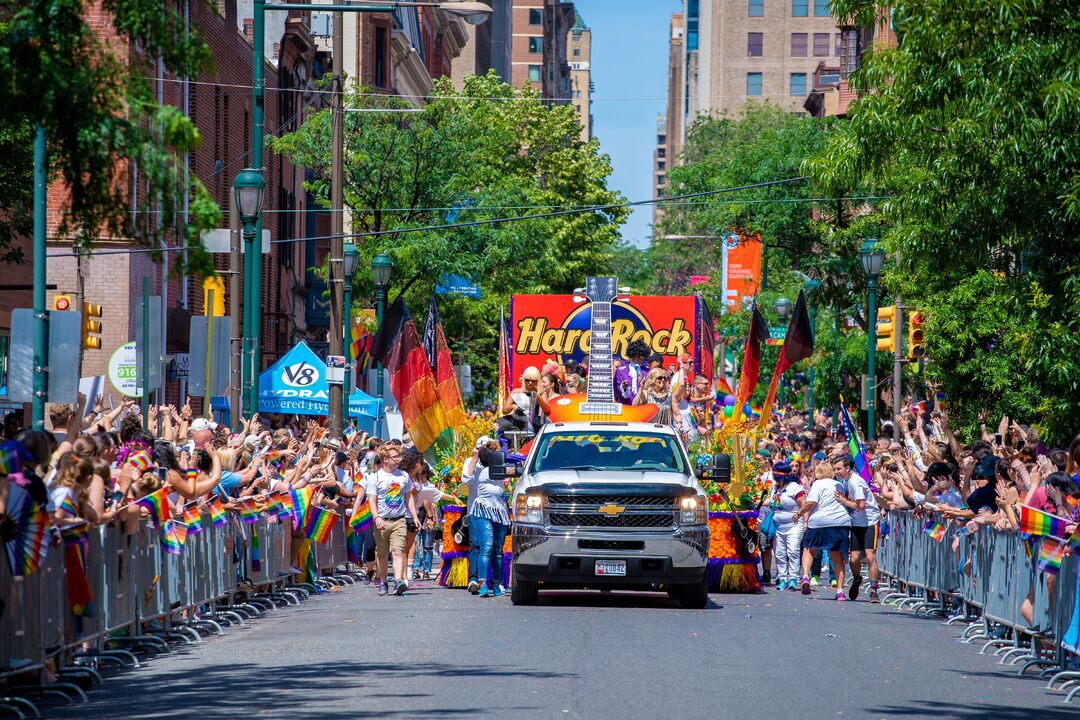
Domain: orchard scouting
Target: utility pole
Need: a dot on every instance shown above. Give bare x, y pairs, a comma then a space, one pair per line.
80, 299
41, 327
898, 366
337, 218
236, 349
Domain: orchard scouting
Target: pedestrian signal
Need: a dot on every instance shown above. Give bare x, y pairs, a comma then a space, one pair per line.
61, 303
916, 338
886, 329
91, 326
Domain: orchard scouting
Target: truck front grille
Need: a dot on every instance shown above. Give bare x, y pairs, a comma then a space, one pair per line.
658, 520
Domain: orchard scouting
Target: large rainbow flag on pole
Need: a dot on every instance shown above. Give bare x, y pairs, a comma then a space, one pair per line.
855, 446
397, 346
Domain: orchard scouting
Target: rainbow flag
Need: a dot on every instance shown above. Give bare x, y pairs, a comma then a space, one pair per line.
362, 519
217, 511
11, 457
1036, 522
80, 597
321, 523
855, 446
361, 344
76, 534
256, 551
249, 510
140, 460
173, 537
1074, 540
193, 518
283, 504
68, 506
157, 504
28, 546
301, 500
1051, 553
935, 530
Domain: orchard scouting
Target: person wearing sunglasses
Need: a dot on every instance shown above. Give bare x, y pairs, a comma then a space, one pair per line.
657, 390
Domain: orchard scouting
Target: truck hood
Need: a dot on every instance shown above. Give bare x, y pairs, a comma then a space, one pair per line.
602, 477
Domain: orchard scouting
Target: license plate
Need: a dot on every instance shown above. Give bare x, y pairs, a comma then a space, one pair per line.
611, 567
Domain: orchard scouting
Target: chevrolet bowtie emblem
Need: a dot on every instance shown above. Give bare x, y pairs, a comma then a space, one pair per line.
611, 510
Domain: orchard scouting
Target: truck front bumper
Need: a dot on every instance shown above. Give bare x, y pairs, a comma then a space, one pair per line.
568, 557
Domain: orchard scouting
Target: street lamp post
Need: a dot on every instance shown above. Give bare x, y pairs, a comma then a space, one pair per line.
352, 259
248, 195
810, 287
473, 13
872, 259
382, 268
783, 310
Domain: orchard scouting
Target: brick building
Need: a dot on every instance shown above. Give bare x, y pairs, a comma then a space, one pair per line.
832, 93
539, 47
579, 49
487, 46
219, 102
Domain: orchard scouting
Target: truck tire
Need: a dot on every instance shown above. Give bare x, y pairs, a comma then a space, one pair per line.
523, 592
695, 596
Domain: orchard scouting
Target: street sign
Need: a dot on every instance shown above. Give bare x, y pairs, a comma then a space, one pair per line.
221, 348
335, 369
153, 351
457, 285
217, 241
65, 335
122, 371
776, 335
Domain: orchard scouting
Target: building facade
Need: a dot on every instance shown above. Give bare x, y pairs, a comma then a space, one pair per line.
487, 46
579, 47
660, 161
676, 90
539, 31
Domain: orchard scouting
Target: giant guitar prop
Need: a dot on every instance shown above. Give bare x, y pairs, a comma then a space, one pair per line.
598, 402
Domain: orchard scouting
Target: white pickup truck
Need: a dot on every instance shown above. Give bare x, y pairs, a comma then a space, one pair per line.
609, 505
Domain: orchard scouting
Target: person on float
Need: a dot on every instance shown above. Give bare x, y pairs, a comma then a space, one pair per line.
656, 390
629, 377
518, 407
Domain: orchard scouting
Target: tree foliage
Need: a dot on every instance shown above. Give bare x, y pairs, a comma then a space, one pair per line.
971, 124
415, 181
100, 117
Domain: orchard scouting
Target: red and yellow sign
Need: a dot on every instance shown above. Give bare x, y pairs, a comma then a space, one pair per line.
555, 327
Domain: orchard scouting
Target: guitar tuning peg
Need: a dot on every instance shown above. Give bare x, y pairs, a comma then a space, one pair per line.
579, 299
626, 290
579, 291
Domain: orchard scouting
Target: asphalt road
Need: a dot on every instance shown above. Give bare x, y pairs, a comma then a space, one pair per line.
443, 654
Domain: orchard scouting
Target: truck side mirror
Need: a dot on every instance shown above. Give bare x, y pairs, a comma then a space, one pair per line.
721, 470
498, 469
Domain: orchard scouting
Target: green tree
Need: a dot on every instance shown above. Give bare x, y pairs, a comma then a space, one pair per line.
970, 123
414, 183
100, 116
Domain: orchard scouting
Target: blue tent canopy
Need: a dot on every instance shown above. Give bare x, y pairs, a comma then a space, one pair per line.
296, 385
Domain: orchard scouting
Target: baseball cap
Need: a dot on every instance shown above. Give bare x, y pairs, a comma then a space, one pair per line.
482, 441
202, 424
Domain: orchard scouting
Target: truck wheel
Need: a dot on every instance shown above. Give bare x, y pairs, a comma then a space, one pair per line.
695, 596
523, 592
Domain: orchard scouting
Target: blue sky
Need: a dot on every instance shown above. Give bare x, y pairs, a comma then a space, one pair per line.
629, 60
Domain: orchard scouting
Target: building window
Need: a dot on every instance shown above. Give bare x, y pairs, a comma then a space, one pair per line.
800, 8
577, 52
577, 109
534, 73
849, 51
821, 8
660, 180
839, 44
754, 42
755, 8
536, 44
798, 84
380, 67
661, 152
661, 165
536, 16
798, 44
753, 84
821, 44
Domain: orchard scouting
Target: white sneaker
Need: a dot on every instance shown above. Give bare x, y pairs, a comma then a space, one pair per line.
474, 587
402, 587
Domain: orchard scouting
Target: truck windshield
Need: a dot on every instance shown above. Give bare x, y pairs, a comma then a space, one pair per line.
608, 451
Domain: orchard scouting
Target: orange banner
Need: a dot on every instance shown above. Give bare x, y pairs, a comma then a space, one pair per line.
554, 327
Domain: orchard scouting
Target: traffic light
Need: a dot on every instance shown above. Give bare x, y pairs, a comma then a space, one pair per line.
886, 329
916, 339
217, 285
61, 303
91, 326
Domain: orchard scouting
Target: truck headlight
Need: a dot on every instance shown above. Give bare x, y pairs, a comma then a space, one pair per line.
693, 510
529, 508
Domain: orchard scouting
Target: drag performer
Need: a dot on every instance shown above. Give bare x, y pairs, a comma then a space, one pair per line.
629, 377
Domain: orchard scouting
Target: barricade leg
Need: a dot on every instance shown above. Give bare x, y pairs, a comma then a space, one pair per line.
19, 706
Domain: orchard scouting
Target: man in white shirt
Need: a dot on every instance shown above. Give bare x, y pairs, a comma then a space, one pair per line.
390, 499
865, 514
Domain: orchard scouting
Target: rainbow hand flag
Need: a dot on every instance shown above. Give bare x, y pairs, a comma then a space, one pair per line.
1036, 522
11, 457
217, 512
935, 530
68, 507
1074, 540
361, 519
140, 461
301, 503
1051, 553
193, 518
75, 534
249, 510
157, 504
283, 504
173, 537
28, 546
322, 522
256, 551
77, 586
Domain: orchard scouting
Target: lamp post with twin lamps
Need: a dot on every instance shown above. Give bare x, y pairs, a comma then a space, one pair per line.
382, 269
872, 259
